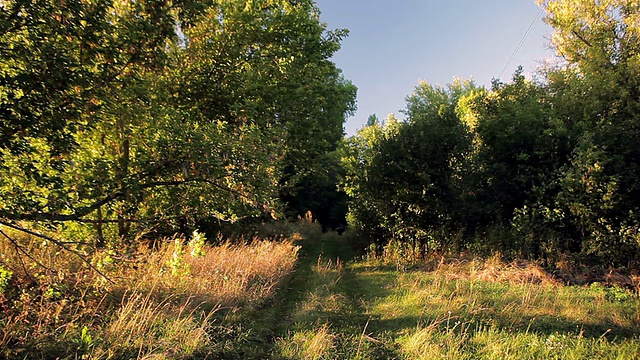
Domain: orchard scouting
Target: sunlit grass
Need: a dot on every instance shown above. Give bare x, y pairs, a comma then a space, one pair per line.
494, 310
168, 302
426, 296
222, 302
468, 341
310, 336
226, 275
309, 344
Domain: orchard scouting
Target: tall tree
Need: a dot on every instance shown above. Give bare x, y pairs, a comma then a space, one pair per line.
119, 113
402, 178
356, 155
600, 40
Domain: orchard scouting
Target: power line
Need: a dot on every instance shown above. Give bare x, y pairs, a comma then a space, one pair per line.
524, 38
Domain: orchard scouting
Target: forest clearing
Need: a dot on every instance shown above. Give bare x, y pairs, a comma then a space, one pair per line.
176, 183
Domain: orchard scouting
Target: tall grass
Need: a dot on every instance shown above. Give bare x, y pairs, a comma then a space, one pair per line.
489, 309
226, 275
168, 302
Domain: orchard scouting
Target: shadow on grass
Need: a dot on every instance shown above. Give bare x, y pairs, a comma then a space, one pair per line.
450, 303
549, 325
541, 325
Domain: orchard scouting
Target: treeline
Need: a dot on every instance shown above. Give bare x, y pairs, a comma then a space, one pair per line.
127, 117
532, 168
121, 118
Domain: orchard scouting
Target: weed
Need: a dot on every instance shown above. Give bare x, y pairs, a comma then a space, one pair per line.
85, 341
177, 262
196, 244
614, 293
5, 278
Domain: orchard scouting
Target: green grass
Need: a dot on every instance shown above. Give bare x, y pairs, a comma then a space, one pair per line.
329, 320
431, 316
463, 310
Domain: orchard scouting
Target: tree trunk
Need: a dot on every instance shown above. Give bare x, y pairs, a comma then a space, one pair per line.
100, 243
123, 171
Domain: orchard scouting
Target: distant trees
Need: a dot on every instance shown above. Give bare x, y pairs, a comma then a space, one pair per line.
128, 116
527, 167
403, 178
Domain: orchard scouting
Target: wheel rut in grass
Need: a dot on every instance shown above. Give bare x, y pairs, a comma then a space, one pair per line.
324, 313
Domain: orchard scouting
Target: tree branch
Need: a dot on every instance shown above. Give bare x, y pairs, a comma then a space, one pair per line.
81, 212
61, 244
193, 180
581, 38
19, 249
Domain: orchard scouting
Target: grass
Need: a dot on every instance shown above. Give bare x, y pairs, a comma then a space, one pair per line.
176, 302
457, 309
438, 317
328, 319
274, 300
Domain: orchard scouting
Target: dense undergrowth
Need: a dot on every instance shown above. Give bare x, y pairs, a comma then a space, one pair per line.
179, 300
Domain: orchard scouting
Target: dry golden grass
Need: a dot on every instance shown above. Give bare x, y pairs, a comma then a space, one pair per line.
143, 327
226, 275
495, 269
156, 304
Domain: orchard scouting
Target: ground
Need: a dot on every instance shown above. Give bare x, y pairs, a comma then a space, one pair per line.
342, 307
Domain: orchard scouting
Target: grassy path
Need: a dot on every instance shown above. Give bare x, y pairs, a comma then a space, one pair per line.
325, 312
309, 318
340, 308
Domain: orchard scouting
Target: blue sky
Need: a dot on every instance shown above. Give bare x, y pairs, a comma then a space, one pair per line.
394, 44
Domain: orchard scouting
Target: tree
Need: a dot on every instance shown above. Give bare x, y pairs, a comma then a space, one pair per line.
61, 72
521, 144
268, 62
356, 157
424, 163
128, 114
402, 177
372, 120
600, 42
521, 148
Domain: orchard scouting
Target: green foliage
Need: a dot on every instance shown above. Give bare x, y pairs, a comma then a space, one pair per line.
196, 244
614, 293
529, 168
177, 262
124, 115
85, 341
520, 145
401, 185
599, 190
5, 279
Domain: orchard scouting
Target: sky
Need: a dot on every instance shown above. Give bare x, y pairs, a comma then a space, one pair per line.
393, 44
